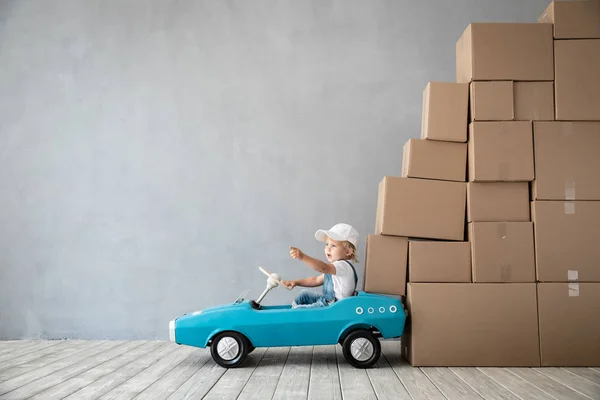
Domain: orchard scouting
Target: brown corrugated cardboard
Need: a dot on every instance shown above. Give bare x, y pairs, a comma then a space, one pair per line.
497, 201
434, 261
421, 208
472, 324
385, 264
567, 237
508, 100
569, 315
534, 101
502, 251
445, 111
573, 19
431, 159
500, 151
577, 81
505, 51
492, 101
566, 161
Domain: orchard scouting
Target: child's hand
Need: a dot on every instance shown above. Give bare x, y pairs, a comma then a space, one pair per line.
290, 284
296, 253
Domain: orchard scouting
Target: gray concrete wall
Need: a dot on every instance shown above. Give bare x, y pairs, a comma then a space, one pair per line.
154, 153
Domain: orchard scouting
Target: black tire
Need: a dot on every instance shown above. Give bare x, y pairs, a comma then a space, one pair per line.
374, 347
243, 347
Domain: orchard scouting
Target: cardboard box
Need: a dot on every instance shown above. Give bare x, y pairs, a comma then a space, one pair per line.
385, 264
567, 237
497, 201
569, 315
566, 161
421, 208
434, 261
508, 100
492, 101
500, 151
573, 19
577, 81
502, 251
445, 111
534, 101
472, 324
505, 52
432, 159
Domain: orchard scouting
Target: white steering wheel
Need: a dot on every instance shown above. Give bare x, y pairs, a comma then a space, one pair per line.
274, 277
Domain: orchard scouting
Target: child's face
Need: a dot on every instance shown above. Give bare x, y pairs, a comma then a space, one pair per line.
335, 250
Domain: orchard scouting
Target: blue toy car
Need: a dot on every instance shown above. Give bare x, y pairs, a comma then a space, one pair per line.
232, 331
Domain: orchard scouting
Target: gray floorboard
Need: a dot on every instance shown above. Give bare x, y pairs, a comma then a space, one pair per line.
142, 370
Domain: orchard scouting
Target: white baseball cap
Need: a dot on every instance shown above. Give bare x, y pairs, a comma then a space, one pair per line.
339, 232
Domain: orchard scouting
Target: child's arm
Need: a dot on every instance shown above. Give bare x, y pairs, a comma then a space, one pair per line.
315, 264
306, 282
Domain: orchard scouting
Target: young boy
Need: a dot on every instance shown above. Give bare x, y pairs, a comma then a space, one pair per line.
338, 275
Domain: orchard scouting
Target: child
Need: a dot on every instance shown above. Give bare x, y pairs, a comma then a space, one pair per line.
338, 275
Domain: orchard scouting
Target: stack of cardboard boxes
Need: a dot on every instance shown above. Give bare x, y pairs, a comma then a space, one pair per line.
495, 219
566, 192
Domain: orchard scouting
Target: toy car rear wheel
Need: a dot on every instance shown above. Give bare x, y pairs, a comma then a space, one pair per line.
361, 348
229, 349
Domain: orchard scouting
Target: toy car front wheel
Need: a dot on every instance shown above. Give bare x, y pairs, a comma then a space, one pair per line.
229, 349
361, 348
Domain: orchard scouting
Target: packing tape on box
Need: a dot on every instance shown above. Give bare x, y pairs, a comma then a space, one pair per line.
503, 168
567, 128
573, 289
570, 190
569, 207
501, 230
572, 275
505, 273
505, 268
537, 102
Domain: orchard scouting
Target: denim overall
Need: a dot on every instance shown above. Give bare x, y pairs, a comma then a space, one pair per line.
310, 299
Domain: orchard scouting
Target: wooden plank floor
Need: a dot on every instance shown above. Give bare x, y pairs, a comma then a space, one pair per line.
76, 369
